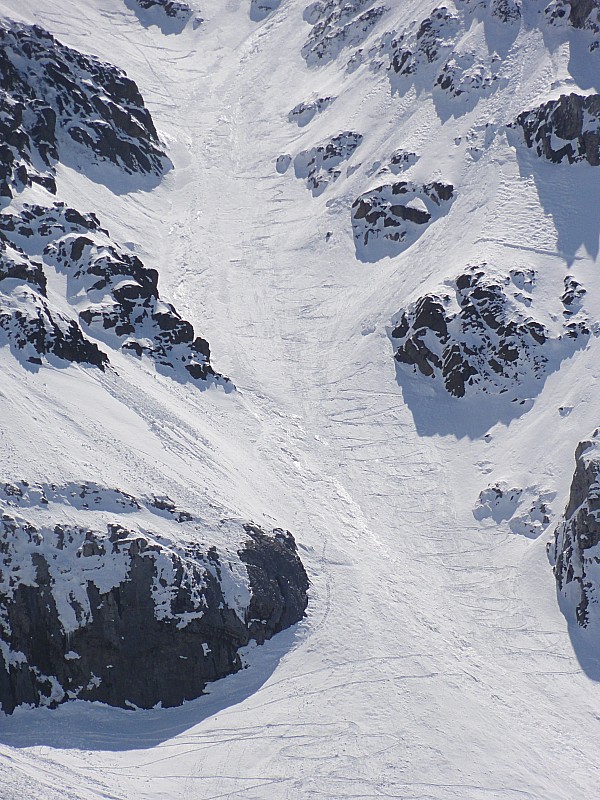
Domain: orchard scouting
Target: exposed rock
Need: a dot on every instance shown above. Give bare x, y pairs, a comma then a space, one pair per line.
580, 14
432, 42
527, 511
401, 160
390, 218
572, 296
116, 296
564, 129
170, 8
464, 74
482, 338
575, 552
303, 113
28, 324
125, 617
54, 99
319, 165
338, 24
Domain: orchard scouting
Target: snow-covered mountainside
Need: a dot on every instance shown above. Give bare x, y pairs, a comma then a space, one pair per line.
350, 548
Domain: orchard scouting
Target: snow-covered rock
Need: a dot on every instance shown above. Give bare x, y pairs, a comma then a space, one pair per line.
480, 336
106, 609
113, 295
28, 323
527, 511
337, 24
575, 551
564, 129
319, 165
303, 113
55, 101
389, 218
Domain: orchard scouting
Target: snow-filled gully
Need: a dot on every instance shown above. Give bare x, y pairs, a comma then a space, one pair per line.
434, 661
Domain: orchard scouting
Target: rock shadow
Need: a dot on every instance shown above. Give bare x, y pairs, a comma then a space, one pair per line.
569, 194
81, 725
437, 413
157, 16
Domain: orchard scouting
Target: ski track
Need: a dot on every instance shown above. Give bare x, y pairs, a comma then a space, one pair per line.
434, 661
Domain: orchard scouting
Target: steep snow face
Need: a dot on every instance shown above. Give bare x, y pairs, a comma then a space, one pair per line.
435, 659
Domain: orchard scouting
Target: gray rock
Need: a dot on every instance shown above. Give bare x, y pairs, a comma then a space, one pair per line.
54, 99
389, 218
482, 338
574, 551
567, 129
124, 617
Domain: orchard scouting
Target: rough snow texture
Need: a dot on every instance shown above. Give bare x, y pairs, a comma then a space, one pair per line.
319, 165
575, 552
567, 129
55, 100
390, 218
116, 613
481, 337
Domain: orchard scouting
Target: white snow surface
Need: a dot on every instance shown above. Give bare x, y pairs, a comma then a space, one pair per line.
434, 662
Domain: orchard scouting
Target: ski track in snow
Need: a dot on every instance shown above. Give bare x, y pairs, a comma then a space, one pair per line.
434, 662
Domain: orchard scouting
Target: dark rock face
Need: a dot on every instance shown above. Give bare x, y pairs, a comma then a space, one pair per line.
482, 338
338, 24
390, 218
54, 98
122, 305
121, 616
574, 552
464, 74
401, 160
304, 113
564, 129
583, 15
319, 165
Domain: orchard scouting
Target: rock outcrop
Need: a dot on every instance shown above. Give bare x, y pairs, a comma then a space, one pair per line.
337, 24
527, 511
319, 165
567, 129
481, 336
115, 295
389, 218
55, 101
260, 9
575, 551
304, 113
108, 610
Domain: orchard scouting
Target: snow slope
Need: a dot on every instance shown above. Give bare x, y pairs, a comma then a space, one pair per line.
435, 661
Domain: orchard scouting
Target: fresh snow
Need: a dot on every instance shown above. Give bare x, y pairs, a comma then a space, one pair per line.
434, 661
